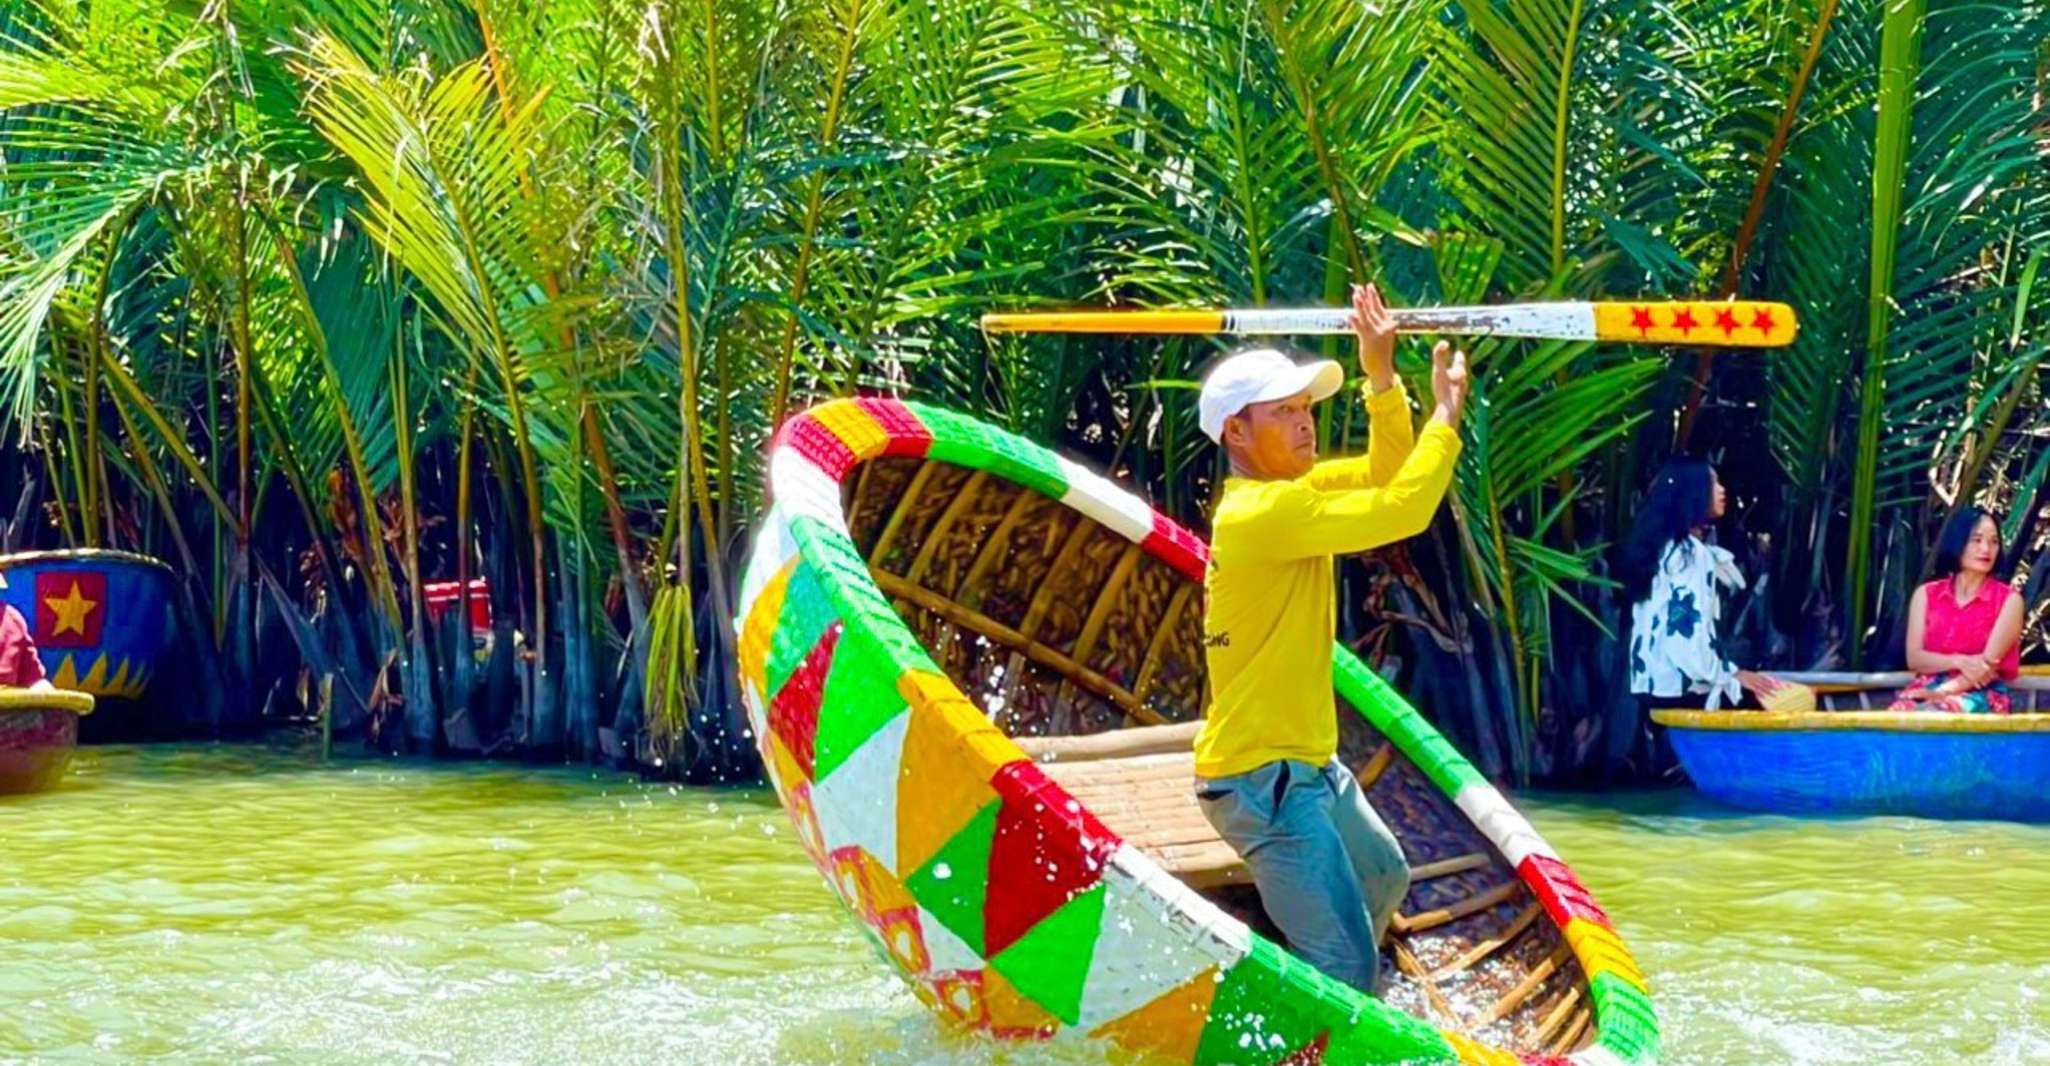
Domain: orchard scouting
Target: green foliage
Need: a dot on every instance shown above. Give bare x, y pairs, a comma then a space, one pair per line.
565, 265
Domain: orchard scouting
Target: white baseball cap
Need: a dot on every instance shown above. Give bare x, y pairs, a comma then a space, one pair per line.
1259, 375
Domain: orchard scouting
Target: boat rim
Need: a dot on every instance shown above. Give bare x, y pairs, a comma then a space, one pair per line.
84, 555
1839, 721
55, 699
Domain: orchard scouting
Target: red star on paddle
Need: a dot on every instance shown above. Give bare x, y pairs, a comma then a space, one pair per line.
1640, 320
1762, 321
1726, 320
1683, 320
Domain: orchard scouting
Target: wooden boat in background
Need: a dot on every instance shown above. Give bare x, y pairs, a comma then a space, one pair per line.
1852, 756
38, 731
973, 667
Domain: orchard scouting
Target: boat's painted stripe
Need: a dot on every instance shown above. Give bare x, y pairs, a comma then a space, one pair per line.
968, 442
1882, 721
1629, 1026
852, 424
1505, 826
1563, 896
1109, 506
906, 434
1177, 547
802, 489
809, 437
1394, 718
1600, 950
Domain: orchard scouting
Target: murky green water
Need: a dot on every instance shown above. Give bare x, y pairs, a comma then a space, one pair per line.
243, 904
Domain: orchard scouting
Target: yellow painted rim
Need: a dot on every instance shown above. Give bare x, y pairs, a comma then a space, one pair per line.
1885, 721
56, 699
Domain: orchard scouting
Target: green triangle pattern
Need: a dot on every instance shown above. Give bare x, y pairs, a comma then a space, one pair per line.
1382, 1034
806, 614
1270, 1005
1050, 963
860, 698
956, 897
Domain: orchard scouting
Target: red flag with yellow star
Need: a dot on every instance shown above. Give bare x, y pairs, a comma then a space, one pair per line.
70, 608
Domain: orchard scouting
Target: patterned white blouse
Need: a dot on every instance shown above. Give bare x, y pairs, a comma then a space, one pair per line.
1675, 648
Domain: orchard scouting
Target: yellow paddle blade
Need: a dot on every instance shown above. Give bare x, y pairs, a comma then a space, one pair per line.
1721, 323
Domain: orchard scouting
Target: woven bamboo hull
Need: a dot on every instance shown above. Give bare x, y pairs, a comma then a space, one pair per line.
1855, 761
38, 732
927, 593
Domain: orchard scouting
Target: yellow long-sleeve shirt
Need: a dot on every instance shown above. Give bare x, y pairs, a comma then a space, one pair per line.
1271, 604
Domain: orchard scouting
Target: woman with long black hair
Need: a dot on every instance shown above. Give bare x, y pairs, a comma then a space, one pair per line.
1674, 580
1965, 627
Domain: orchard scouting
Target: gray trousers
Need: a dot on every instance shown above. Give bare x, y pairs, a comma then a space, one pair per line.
1330, 874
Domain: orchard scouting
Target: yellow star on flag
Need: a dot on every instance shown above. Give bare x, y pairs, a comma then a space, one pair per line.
72, 610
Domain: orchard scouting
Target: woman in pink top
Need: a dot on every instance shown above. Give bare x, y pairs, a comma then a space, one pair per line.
20, 666
1965, 627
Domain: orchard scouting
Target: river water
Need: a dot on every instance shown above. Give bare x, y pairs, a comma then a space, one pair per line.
246, 904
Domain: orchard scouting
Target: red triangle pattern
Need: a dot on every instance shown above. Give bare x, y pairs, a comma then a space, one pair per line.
1048, 849
1310, 1054
794, 713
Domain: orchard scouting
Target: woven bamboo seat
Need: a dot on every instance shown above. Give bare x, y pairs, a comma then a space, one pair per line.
1140, 783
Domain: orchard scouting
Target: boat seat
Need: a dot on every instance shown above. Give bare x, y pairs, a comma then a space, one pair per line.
1141, 783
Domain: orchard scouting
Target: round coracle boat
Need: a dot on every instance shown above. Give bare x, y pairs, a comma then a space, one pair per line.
973, 669
101, 619
1852, 756
38, 730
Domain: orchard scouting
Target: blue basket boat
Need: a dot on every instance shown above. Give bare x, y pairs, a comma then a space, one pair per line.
101, 619
1847, 758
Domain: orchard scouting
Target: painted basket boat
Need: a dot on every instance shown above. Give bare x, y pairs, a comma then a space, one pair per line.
101, 619
965, 657
1848, 758
38, 731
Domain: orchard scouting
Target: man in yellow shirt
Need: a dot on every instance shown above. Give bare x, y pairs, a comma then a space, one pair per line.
1329, 872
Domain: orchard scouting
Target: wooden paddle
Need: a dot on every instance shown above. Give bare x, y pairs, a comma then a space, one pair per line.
1722, 323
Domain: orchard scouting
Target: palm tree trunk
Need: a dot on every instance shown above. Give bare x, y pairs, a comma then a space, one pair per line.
693, 483
423, 716
829, 131
462, 660
242, 613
